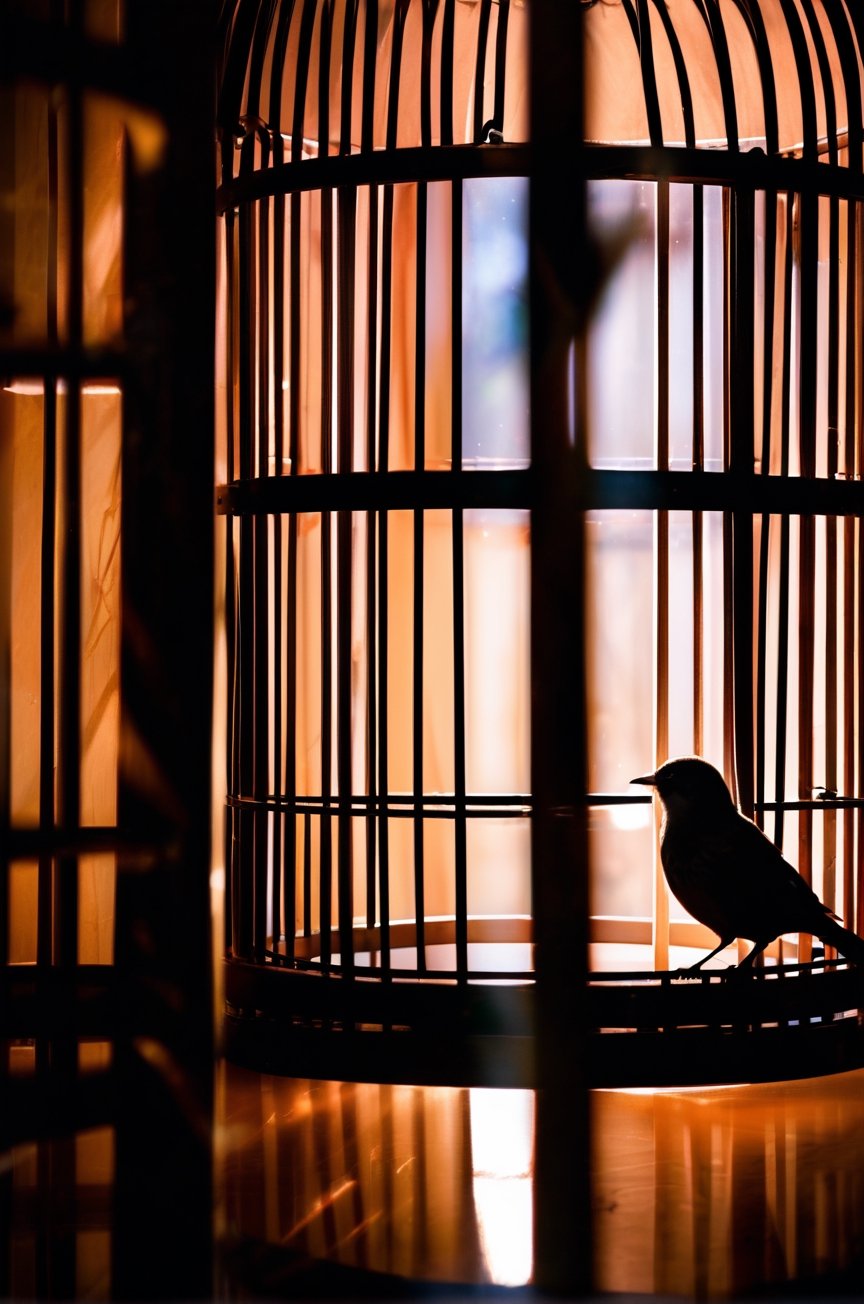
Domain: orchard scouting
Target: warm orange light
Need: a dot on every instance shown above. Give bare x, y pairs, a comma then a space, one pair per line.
36, 388
502, 1131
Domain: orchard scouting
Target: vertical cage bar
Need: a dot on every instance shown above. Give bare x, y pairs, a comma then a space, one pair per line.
642, 31
290, 841
808, 306
858, 914
370, 55
698, 460
6, 465
849, 562
347, 213
848, 765
231, 612
307, 876
661, 650
294, 328
447, 64
349, 38
727, 545
383, 521
48, 564
501, 62
458, 537
7, 1178
344, 871
281, 823
260, 722
761, 664
383, 581
372, 519
783, 631
47, 668
480, 68
69, 786
741, 398
419, 580
284, 820
662, 325
769, 289
830, 778
858, 354
383, 738
428, 8
326, 840
325, 844
245, 663
808, 231
661, 681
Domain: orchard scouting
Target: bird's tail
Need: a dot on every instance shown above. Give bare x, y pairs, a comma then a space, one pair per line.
849, 944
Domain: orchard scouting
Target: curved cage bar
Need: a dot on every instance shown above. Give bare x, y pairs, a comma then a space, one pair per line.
646, 1029
378, 479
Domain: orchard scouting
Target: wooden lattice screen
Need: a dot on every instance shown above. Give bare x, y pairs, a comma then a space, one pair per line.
106, 636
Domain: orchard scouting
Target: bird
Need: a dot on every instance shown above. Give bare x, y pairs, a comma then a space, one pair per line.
727, 874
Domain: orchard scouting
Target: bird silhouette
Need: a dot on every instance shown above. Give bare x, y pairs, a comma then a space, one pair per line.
727, 874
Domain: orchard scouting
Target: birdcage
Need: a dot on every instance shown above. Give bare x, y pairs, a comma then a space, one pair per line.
407, 526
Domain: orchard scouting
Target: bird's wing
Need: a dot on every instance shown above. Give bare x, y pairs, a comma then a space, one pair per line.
730, 876
767, 884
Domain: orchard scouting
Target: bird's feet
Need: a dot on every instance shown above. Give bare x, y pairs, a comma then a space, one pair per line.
692, 971
697, 970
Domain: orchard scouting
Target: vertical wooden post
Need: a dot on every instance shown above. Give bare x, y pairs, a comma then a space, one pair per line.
562, 1231
164, 1054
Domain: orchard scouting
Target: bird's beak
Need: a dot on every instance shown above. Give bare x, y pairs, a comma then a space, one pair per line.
650, 780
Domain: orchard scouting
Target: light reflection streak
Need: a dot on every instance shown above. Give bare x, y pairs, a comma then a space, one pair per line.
436, 1183
36, 388
502, 1136
323, 1202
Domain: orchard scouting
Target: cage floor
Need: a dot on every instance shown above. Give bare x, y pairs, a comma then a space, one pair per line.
515, 958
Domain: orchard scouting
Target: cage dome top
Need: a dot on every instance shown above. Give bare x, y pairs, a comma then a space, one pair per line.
393, 74
725, 74
728, 74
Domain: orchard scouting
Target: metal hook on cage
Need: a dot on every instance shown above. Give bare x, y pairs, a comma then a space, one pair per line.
490, 134
250, 124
